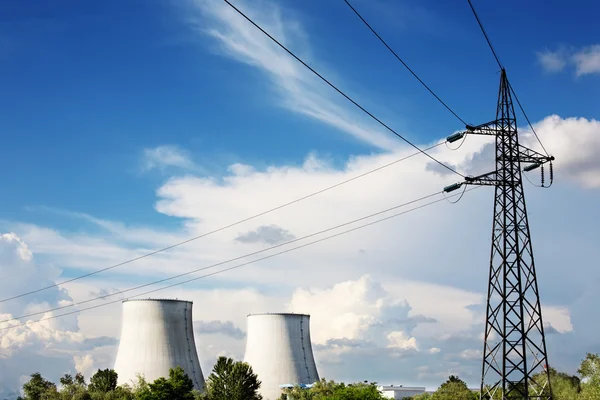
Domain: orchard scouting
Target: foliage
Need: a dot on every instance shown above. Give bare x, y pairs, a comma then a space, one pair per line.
103, 381
178, 387
232, 380
590, 374
38, 388
454, 389
329, 390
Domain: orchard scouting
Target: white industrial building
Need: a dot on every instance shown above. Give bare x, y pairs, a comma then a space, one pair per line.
400, 392
279, 349
156, 335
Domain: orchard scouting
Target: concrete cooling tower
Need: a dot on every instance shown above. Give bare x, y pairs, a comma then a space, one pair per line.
157, 335
279, 350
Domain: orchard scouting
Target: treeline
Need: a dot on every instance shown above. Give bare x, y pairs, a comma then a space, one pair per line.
584, 386
229, 380
235, 380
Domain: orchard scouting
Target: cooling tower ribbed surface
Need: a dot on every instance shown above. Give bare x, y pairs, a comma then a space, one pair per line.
157, 335
279, 350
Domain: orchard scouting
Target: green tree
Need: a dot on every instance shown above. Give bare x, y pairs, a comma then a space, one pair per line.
103, 381
232, 380
330, 390
177, 387
564, 386
454, 389
590, 374
357, 391
73, 389
422, 396
38, 388
79, 379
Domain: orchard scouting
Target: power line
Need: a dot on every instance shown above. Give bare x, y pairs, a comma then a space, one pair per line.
228, 261
403, 63
485, 35
501, 67
221, 228
340, 91
239, 265
527, 118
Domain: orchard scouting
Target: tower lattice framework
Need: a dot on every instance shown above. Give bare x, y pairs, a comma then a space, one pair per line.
515, 363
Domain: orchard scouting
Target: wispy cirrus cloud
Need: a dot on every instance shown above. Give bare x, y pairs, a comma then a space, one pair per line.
585, 60
297, 89
167, 156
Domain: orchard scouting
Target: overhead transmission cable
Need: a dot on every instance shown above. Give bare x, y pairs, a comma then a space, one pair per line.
340, 91
238, 265
403, 63
219, 229
227, 261
489, 42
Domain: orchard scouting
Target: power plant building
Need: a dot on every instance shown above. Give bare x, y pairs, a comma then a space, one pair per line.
400, 392
156, 335
279, 349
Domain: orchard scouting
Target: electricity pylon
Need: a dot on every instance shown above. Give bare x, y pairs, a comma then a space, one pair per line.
515, 363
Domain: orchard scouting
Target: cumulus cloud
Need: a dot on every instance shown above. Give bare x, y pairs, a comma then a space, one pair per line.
28, 346
585, 60
355, 316
296, 88
413, 271
271, 234
84, 364
575, 143
227, 328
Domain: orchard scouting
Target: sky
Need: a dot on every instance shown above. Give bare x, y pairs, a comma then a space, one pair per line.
131, 126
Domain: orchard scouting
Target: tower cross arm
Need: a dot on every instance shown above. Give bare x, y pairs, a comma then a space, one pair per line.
527, 155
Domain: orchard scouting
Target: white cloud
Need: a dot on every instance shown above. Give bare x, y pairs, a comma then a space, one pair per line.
400, 340
575, 142
552, 61
297, 89
84, 364
585, 60
48, 347
166, 156
416, 283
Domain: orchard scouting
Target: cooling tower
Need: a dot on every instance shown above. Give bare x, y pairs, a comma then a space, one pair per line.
157, 335
279, 350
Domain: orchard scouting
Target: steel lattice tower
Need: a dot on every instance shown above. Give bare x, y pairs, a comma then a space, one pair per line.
515, 364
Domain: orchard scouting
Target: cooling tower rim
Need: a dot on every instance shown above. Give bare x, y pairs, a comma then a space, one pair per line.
159, 300
278, 314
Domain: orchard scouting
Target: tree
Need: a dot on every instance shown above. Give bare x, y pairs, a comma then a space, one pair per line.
79, 379
590, 374
66, 380
178, 387
357, 391
564, 386
330, 390
232, 380
454, 389
73, 389
103, 381
38, 388
422, 396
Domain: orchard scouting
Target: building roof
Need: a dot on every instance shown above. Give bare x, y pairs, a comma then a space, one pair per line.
400, 388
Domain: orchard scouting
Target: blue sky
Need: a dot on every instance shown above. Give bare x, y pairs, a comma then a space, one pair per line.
130, 126
88, 85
